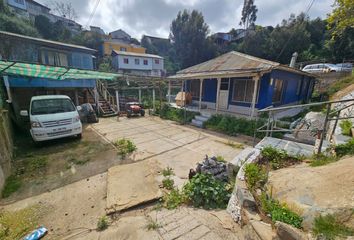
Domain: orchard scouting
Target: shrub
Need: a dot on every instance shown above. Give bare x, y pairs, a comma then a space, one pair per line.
280, 212
345, 149
321, 159
168, 183
173, 199
346, 126
278, 158
12, 184
203, 190
176, 114
220, 159
255, 175
124, 146
102, 223
167, 172
329, 228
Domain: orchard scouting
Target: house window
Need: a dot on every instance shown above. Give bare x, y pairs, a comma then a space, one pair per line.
123, 49
195, 88
157, 61
243, 90
126, 60
145, 62
22, 2
278, 91
54, 58
137, 61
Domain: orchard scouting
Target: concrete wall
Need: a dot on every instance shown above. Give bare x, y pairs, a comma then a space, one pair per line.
6, 147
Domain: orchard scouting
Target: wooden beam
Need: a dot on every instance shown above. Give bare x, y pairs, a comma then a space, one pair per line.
117, 100
217, 94
254, 97
200, 93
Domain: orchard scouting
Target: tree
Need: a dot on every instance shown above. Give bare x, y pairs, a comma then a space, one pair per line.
249, 14
44, 26
189, 37
342, 17
65, 9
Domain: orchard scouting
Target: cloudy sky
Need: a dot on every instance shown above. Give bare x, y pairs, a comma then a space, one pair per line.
153, 17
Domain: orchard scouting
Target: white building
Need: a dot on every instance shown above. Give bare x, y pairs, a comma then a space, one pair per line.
138, 63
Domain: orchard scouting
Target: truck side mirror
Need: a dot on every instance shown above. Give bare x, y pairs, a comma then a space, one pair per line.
24, 113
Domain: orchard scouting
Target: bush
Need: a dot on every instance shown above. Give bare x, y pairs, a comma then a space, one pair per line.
255, 175
278, 158
346, 126
329, 228
12, 184
203, 190
124, 146
176, 114
102, 223
321, 159
173, 199
280, 212
168, 183
345, 149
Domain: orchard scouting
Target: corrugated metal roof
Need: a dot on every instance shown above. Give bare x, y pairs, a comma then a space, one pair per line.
45, 41
136, 54
232, 63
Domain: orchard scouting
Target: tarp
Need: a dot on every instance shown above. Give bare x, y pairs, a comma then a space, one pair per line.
57, 73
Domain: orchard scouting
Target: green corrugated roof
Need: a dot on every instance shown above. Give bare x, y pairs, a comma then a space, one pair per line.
57, 73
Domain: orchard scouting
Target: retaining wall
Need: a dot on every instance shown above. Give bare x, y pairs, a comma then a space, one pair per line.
6, 146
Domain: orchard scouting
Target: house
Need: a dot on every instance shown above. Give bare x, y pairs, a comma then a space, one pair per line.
242, 84
20, 89
108, 45
30, 9
97, 30
141, 64
120, 35
221, 38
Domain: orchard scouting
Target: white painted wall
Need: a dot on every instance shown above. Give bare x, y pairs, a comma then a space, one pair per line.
155, 69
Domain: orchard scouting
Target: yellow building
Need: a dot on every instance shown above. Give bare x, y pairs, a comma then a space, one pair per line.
109, 45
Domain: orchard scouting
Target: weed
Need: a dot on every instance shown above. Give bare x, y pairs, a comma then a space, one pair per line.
125, 146
102, 223
167, 172
330, 228
175, 114
15, 225
235, 145
12, 184
173, 199
346, 126
168, 183
220, 159
76, 161
338, 85
36, 164
152, 225
203, 190
255, 175
321, 159
345, 149
278, 158
280, 212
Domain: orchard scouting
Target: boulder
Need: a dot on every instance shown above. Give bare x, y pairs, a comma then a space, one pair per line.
287, 232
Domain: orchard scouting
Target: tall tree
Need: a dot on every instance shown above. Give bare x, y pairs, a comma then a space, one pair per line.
342, 17
189, 37
65, 9
249, 14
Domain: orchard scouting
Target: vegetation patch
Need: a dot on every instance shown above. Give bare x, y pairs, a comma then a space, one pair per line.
167, 172
278, 158
153, 225
15, 225
220, 159
173, 199
168, 183
125, 146
329, 228
256, 175
176, 114
12, 184
235, 145
321, 160
339, 85
102, 223
346, 126
345, 149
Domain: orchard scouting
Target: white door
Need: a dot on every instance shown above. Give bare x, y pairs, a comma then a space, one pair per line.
224, 93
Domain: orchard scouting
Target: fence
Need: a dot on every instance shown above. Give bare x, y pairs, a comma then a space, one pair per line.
6, 146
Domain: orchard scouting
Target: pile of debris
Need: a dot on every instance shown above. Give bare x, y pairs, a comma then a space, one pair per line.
211, 166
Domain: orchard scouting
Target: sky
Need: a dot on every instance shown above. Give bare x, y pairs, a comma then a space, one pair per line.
153, 17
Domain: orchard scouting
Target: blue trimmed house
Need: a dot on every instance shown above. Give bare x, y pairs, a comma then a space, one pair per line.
241, 84
20, 89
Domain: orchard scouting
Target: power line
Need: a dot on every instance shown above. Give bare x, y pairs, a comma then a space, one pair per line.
292, 35
92, 13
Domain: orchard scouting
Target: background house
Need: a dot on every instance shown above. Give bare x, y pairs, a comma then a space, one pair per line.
108, 45
242, 84
120, 35
138, 63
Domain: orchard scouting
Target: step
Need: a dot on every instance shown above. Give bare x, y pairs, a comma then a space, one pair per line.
201, 118
197, 123
205, 114
109, 115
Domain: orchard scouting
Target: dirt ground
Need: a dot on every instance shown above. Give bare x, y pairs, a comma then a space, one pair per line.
72, 189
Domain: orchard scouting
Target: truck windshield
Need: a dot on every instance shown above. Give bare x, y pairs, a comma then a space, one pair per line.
50, 106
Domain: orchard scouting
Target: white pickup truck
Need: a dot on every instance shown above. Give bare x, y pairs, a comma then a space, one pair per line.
53, 116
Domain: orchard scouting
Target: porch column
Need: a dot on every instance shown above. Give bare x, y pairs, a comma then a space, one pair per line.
153, 99
7, 86
76, 98
217, 95
200, 93
96, 99
169, 91
117, 100
254, 97
182, 85
139, 95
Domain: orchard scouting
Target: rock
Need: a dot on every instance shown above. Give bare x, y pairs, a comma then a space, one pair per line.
246, 199
287, 232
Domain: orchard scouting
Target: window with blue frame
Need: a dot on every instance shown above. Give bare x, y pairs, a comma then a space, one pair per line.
59, 59
242, 90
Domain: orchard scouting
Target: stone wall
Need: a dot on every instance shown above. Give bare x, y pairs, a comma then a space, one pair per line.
6, 146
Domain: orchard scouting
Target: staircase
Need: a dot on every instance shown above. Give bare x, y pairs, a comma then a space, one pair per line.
199, 120
106, 102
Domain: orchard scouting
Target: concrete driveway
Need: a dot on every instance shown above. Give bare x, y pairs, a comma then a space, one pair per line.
173, 145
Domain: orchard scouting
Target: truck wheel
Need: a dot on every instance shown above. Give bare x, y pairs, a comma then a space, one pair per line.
79, 136
142, 113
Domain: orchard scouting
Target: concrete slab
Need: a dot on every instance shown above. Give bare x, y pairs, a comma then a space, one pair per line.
289, 146
131, 185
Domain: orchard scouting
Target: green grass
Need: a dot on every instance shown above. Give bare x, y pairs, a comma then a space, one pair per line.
329, 228
321, 160
220, 159
339, 85
168, 183
167, 172
235, 145
345, 149
176, 114
255, 175
346, 126
125, 146
102, 223
12, 184
15, 225
152, 225
173, 199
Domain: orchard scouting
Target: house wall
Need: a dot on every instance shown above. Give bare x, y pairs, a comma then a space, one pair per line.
150, 69
108, 47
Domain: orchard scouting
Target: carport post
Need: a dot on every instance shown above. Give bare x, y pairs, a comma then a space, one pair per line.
200, 93
139, 95
96, 99
153, 99
217, 95
254, 97
117, 100
169, 91
76, 98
